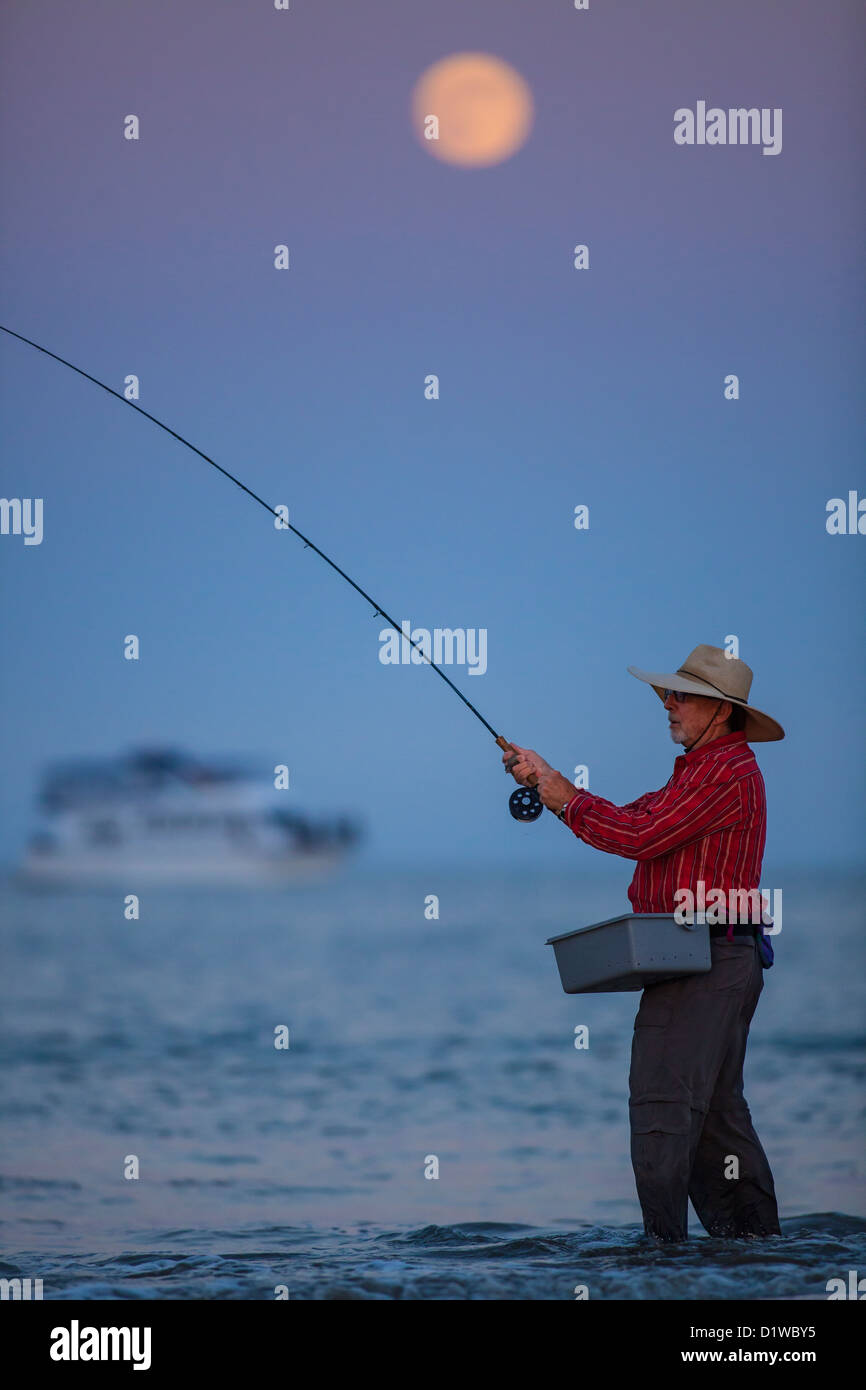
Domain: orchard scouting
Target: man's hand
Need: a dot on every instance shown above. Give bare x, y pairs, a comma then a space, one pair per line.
553, 789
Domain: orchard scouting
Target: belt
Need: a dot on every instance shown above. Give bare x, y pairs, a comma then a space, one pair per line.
743, 934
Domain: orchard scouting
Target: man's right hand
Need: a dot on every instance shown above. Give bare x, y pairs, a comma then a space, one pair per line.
524, 764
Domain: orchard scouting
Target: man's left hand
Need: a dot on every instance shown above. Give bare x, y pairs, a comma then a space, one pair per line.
553, 789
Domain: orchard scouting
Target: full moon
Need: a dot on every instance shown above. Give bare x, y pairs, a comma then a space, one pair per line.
483, 107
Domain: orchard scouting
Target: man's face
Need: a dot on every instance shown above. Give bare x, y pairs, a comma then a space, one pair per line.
688, 719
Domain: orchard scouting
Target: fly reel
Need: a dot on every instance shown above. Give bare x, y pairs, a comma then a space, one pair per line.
525, 804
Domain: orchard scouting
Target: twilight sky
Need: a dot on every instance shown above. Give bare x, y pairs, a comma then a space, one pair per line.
557, 387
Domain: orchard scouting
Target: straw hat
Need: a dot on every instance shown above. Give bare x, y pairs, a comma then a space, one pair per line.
710, 671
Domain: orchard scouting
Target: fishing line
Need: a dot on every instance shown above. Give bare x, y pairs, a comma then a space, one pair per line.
524, 803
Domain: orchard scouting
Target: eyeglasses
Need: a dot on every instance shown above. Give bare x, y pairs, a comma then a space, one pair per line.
679, 695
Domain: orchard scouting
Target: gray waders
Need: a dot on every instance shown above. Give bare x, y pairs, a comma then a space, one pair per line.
691, 1131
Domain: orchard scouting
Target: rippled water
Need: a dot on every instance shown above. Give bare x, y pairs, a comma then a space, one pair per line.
408, 1038
476, 1260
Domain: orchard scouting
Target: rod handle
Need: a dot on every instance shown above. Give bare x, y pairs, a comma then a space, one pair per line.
509, 748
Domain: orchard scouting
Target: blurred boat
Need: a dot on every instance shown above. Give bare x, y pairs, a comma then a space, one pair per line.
161, 816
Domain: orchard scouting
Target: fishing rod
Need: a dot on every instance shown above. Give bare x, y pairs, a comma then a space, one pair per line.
524, 804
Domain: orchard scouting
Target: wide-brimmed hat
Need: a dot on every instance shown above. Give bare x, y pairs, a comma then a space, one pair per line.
710, 671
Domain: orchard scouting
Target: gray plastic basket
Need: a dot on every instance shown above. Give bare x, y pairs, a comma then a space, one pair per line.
630, 952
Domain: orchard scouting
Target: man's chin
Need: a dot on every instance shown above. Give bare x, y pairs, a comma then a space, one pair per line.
676, 734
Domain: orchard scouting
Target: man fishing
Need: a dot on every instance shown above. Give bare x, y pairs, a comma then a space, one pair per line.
690, 1125
691, 1130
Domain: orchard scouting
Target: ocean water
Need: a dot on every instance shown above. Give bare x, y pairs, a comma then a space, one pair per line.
409, 1039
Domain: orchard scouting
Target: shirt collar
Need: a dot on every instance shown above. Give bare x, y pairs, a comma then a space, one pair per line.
715, 747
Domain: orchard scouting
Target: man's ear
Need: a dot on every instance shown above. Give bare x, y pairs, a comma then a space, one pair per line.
728, 710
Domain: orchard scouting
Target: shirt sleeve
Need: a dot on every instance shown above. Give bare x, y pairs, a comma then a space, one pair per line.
657, 822
641, 802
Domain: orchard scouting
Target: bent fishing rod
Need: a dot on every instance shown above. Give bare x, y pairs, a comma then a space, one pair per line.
524, 803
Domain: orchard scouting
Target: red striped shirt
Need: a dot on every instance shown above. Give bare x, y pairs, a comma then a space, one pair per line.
708, 823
